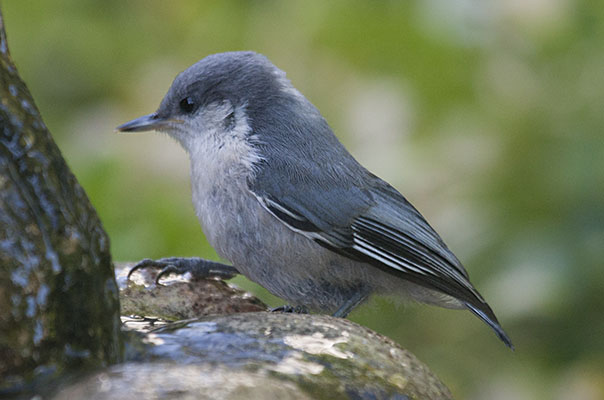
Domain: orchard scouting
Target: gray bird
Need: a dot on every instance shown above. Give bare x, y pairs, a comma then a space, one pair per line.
281, 198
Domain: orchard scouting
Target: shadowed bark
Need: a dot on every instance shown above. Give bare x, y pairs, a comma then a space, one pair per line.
58, 296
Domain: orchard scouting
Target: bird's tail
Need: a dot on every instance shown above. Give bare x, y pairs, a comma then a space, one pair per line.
486, 314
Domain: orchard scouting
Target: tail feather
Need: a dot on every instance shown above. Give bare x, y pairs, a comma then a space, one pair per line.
486, 314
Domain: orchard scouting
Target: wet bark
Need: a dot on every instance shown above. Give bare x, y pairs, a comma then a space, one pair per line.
58, 296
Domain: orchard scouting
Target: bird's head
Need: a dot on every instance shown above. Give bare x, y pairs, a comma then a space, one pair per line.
219, 94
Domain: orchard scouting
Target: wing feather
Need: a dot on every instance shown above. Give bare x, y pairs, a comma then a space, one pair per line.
380, 227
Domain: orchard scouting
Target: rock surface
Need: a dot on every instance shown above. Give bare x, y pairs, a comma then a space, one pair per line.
267, 356
179, 297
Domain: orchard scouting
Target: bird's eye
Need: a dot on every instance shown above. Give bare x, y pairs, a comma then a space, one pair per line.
187, 105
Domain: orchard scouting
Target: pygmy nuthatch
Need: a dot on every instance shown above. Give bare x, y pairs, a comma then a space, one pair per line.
282, 199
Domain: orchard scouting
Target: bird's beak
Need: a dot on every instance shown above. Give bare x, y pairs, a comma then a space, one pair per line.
145, 123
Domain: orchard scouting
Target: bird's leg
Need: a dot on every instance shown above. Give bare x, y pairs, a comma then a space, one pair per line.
356, 299
290, 309
197, 267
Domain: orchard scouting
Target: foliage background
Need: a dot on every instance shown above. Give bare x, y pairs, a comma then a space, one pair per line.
487, 115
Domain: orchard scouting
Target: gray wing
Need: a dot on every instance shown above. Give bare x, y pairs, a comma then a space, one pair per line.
314, 205
367, 219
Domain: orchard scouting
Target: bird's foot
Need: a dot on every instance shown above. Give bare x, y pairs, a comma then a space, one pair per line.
197, 267
290, 309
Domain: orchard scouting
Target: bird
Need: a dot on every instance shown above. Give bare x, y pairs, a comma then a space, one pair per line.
280, 198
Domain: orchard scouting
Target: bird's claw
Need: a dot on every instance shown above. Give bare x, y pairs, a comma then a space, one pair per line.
198, 268
290, 309
167, 270
167, 267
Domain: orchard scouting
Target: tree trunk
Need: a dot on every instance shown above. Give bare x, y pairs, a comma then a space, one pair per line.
58, 296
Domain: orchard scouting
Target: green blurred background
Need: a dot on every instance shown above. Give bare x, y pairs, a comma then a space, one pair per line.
487, 115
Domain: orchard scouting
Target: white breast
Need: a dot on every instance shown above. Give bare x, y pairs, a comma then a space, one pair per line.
221, 164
